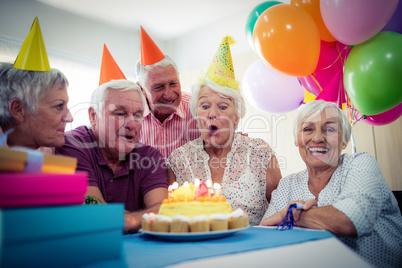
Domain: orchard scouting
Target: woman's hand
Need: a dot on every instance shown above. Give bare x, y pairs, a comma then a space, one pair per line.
279, 216
306, 206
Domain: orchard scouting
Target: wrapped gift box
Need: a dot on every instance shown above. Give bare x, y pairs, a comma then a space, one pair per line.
21, 159
65, 236
35, 189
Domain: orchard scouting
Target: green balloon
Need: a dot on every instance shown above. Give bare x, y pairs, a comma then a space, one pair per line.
253, 16
373, 73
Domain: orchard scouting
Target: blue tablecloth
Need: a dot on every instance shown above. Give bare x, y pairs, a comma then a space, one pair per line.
142, 250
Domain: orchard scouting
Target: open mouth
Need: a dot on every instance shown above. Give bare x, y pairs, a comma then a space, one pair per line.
318, 150
128, 138
212, 130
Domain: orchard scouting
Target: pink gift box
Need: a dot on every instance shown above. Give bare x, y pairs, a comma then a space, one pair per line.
32, 190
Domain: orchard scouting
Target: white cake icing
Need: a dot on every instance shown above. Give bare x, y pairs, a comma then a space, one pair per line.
163, 218
237, 213
219, 216
180, 218
199, 218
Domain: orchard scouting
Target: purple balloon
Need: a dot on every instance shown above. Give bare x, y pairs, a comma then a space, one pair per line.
395, 23
271, 91
354, 21
385, 117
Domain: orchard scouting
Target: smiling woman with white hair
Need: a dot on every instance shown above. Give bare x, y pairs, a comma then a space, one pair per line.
246, 168
343, 194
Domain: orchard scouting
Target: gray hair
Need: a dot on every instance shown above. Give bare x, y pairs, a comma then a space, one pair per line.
27, 86
314, 108
143, 70
98, 97
238, 100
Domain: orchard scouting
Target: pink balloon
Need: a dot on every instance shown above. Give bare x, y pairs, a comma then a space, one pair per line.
355, 21
385, 117
271, 91
334, 92
331, 60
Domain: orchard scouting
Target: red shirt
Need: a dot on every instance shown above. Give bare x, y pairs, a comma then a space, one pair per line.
178, 129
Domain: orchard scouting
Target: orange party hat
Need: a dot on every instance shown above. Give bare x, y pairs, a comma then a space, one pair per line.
33, 56
150, 52
221, 68
109, 68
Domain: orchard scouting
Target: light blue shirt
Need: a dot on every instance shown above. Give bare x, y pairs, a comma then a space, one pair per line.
358, 189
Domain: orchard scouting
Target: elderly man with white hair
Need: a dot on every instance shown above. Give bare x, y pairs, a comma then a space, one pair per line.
120, 169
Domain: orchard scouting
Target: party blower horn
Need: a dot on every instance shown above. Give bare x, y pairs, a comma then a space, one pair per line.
33, 56
150, 52
109, 68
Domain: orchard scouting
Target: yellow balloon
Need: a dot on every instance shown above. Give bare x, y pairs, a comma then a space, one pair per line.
308, 96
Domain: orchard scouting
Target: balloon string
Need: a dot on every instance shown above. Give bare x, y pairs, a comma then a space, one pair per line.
315, 81
353, 143
340, 52
339, 57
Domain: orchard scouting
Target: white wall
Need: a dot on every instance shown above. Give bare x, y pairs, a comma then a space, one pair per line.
197, 48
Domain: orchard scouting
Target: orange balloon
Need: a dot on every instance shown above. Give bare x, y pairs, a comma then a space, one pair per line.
313, 8
287, 39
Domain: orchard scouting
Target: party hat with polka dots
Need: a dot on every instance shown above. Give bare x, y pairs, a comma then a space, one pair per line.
109, 68
33, 56
221, 68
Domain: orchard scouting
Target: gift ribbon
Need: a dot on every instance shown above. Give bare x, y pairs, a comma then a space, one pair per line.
289, 222
3, 138
35, 159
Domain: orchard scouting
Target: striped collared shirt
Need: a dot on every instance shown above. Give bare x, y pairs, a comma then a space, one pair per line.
178, 129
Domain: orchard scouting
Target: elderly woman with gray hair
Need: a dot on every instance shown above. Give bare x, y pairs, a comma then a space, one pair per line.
246, 168
33, 107
343, 194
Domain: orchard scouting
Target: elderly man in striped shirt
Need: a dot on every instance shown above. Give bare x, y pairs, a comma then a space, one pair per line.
168, 123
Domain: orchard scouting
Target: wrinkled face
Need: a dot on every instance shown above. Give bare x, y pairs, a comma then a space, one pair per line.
163, 90
216, 117
118, 129
48, 124
319, 140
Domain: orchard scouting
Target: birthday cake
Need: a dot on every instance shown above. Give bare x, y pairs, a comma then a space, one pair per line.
194, 208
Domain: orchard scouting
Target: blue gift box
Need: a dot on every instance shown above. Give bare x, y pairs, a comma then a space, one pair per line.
64, 236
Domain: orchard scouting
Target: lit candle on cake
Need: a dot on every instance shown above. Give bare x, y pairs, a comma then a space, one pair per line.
175, 185
170, 192
185, 185
209, 185
217, 188
197, 188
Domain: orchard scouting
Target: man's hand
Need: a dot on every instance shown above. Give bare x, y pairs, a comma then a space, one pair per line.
132, 221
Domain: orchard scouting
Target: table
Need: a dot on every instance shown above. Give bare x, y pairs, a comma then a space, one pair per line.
253, 247
327, 253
